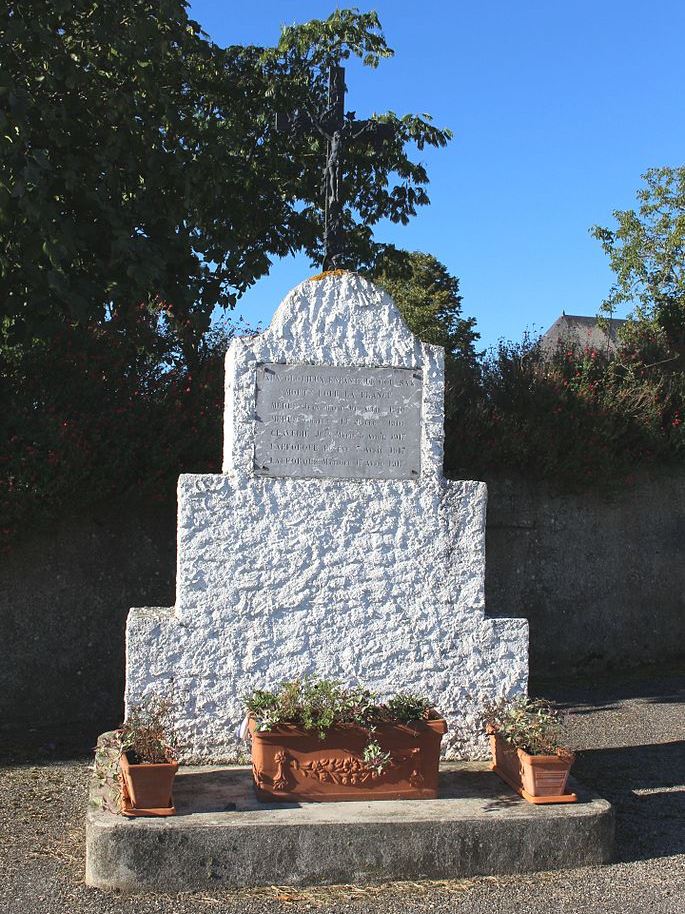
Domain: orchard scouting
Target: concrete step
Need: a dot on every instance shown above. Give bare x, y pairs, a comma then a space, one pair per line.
222, 836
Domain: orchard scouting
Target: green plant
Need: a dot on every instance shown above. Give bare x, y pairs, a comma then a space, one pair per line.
406, 707
374, 757
314, 704
265, 709
147, 734
534, 725
319, 704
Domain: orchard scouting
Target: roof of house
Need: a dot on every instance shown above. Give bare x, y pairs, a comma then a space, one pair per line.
585, 331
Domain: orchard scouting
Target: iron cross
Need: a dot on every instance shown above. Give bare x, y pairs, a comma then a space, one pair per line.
339, 129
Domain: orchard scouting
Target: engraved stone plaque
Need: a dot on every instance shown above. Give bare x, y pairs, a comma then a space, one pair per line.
345, 423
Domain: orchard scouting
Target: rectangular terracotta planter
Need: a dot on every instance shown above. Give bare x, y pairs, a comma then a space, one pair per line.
537, 778
146, 789
289, 763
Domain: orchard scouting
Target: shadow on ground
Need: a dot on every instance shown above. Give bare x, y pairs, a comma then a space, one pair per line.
46, 745
646, 785
608, 691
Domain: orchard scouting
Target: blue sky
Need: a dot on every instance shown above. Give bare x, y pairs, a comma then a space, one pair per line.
557, 109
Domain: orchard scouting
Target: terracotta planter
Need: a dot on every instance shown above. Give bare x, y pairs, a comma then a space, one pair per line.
293, 764
537, 778
146, 789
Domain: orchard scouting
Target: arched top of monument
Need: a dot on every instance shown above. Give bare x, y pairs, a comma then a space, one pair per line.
339, 315
352, 331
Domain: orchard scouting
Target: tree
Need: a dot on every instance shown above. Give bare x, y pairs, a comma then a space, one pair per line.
140, 164
428, 298
647, 254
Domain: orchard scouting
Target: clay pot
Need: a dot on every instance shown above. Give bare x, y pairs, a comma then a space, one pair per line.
147, 788
289, 763
537, 778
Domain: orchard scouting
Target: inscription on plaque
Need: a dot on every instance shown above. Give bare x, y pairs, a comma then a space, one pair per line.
348, 423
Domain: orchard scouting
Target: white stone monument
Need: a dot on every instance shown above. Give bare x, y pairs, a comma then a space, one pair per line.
331, 543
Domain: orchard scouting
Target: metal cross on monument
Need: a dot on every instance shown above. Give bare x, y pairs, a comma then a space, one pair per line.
339, 129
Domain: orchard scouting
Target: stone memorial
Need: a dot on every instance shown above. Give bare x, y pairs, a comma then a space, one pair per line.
331, 543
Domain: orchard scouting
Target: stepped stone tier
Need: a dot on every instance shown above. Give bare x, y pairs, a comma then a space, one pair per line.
331, 543
223, 837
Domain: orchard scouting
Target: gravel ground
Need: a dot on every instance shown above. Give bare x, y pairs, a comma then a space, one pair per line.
631, 738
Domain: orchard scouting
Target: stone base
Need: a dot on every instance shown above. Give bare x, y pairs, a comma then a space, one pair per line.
222, 836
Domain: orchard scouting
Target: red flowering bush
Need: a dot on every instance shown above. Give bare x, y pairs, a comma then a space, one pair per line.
109, 411
576, 417
104, 411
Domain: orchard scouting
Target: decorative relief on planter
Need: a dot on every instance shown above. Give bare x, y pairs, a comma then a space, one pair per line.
292, 764
332, 421
338, 770
351, 770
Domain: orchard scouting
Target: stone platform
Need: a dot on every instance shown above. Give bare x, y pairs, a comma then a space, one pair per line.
222, 836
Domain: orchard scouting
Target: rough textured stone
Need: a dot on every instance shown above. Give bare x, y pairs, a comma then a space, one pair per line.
65, 592
223, 837
376, 581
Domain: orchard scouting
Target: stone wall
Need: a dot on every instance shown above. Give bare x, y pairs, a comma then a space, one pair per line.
64, 597
602, 581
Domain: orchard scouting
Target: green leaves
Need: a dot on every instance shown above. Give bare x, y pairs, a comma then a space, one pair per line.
318, 704
139, 160
647, 253
322, 42
534, 725
429, 301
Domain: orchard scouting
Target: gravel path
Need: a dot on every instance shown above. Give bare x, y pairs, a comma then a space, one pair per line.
632, 742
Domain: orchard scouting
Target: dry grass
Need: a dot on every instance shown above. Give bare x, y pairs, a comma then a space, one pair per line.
420, 891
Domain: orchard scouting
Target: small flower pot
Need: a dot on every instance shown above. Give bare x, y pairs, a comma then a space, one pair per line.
537, 778
289, 763
147, 788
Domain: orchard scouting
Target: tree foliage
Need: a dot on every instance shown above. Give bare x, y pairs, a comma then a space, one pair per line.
139, 163
647, 253
428, 298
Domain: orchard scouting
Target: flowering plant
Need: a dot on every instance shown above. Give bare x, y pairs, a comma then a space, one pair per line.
320, 704
147, 734
534, 725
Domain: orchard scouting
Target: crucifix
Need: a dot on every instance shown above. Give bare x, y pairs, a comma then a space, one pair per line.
338, 129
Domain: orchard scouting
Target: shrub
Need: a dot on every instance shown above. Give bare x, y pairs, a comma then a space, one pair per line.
578, 417
93, 415
320, 704
535, 726
110, 410
147, 734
